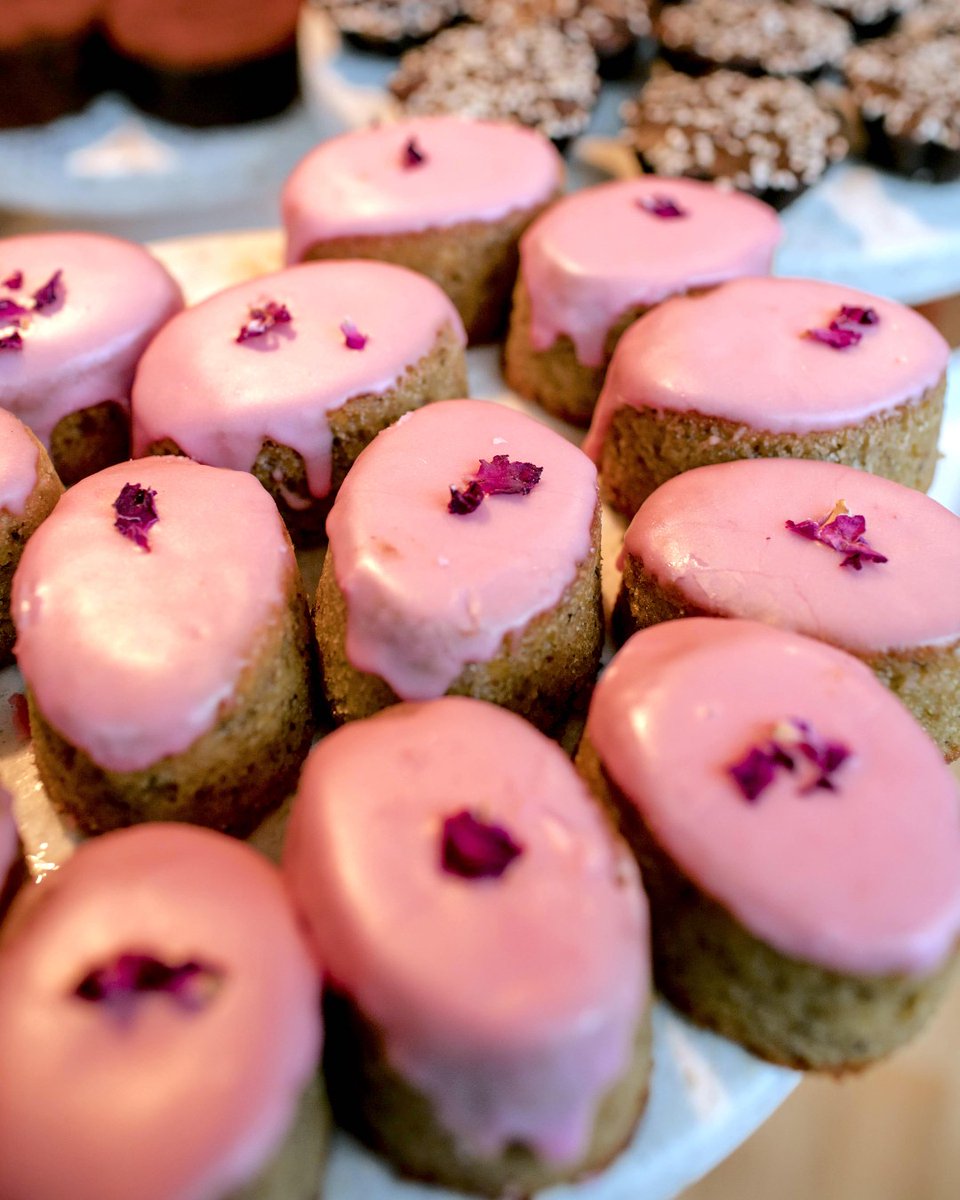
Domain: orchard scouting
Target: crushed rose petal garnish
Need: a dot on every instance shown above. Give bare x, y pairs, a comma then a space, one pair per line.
136, 513
12, 311
842, 532
501, 477
412, 156
11, 341
792, 742
856, 314
475, 849
119, 983
353, 339
48, 294
838, 337
465, 500
661, 206
14, 282
262, 318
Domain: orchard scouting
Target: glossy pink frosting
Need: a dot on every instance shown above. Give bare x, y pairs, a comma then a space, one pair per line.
219, 399
130, 654
18, 464
864, 879
598, 252
717, 535
428, 591
356, 185
511, 1003
741, 352
83, 349
164, 1103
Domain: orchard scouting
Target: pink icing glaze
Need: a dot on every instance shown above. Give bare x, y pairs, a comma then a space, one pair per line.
717, 535
740, 352
427, 591
18, 464
168, 1104
83, 349
512, 1003
131, 654
865, 879
218, 399
356, 184
598, 252
9, 838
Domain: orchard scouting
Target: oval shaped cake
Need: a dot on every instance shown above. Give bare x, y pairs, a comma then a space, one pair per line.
76, 312
770, 368
601, 257
797, 832
488, 1015
160, 1010
464, 557
290, 375
825, 550
163, 635
446, 196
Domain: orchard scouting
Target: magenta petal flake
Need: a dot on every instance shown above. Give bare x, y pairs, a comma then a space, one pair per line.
412, 155
11, 341
505, 478
353, 339
791, 743
262, 318
837, 337
49, 293
843, 532
14, 281
130, 976
12, 311
661, 206
136, 513
856, 314
465, 500
474, 849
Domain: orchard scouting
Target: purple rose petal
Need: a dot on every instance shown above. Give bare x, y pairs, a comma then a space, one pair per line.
842, 532
505, 478
48, 294
838, 337
353, 339
130, 976
855, 314
136, 513
11, 311
14, 282
465, 500
754, 773
661, 206
791, 742
475, 849
413, 156
262, 318
11, 341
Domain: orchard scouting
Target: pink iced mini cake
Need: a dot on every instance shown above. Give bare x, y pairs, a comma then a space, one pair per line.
770, 368
291, 374
446, 196
159, 1010
464, 558
163, 635
76, 312
602, 257
866, 564
489, 999
797, 833
29, 488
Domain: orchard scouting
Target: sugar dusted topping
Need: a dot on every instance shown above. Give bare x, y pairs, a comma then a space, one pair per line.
912, 86
932, 18
533, 74
752, 134
391, 20
607, 24
774, 36
872, 12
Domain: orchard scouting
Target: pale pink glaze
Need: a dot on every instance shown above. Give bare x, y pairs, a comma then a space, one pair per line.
356, 185
865, 879
740, 352
717, 534
167, 1104
18, 464
83, 349
512, 1003
598, 252
427, 591
130, 654
9, 838
219, 399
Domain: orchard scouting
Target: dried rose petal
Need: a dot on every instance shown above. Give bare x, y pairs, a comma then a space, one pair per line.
791, 742
190, 984
505, 478
11, 341
20, 716
11, 311
838, 337
353, 339
754, 772
465, 500
413, 156
661, 206
14, 282
856, 314
842, 532
44, 296
136, 513
262, 318
474, 849
825, 755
